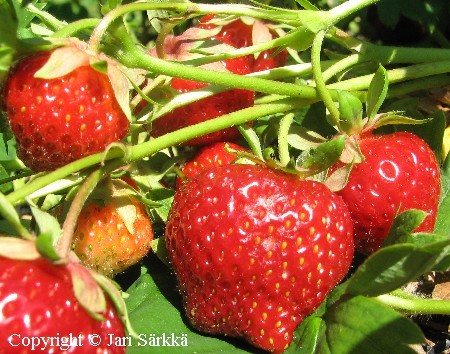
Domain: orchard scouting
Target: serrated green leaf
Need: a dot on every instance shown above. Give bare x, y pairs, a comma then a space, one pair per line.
361, 325
377, 92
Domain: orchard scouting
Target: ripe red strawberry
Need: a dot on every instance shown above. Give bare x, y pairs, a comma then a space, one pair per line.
210, 157
240, 34
256, 251
62, 119
400, 172
207, 108
110, 238
38, 302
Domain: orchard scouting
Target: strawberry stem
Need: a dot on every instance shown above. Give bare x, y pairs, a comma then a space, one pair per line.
283, 145
319, 80
65, 242
408, 304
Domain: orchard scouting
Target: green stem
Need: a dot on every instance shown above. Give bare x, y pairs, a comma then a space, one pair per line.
408, 304
65, 242
74, 27
139, 59
186, 8
151, 147
340, 66
323, 91
418, 84
395, 75
347, 8
283, 145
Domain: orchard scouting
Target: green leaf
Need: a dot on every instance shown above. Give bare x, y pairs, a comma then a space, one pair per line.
350, 113
307, 336
155, 308
394, 266
324, 156
403, 225
44, 244
8, 212
442, 225
361, 325
377, 92
159, 248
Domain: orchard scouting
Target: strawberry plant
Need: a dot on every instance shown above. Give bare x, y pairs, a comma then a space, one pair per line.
250, 177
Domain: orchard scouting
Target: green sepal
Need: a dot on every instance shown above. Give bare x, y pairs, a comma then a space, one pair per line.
403, 225
350, 113
377, 92
314, 161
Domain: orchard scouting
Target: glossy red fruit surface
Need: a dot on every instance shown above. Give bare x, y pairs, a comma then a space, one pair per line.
57, 121
210, 157
400, 172
38, 302
256, 251
240, 34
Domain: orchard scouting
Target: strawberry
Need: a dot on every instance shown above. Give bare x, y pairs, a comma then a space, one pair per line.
255, 251
61, 119
207, 108
210, 157
400, 172
38, 303
240, 34
112, 236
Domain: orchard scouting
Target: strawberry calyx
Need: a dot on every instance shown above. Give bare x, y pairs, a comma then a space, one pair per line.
73, 53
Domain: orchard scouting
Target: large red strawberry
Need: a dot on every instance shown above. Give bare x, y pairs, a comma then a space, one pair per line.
113, 234
60, 119
400, 172
210, 157
40, 313
256, 251
207, 108
241, 34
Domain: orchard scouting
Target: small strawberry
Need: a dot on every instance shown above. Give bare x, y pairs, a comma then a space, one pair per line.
38, 303
400, 172
255, 251
61, 117
114, 234
206, 108
240, 34
210, 157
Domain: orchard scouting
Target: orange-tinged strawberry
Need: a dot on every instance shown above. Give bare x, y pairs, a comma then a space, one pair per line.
110, 238
256, 251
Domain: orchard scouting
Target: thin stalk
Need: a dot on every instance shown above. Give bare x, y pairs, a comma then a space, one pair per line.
74, 27
65, 242
340, 66
395, 75
407, 304
322, 89
347, 8
151, 147
283, 145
